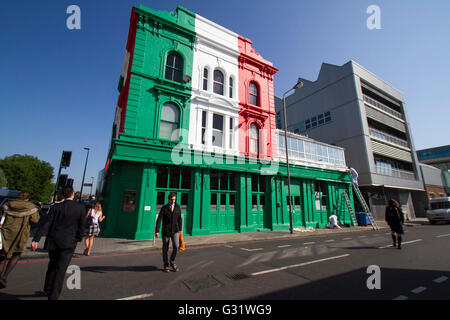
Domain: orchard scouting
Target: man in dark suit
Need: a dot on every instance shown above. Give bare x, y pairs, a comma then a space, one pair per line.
170, 215
66, 226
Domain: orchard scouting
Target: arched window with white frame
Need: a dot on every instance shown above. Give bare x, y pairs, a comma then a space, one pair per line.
219, 82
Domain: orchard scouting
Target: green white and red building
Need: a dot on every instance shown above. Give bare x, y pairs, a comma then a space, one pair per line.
196, 116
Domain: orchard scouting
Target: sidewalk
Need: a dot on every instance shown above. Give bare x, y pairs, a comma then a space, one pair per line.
115, 246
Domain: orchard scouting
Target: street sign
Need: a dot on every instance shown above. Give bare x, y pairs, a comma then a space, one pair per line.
87, 184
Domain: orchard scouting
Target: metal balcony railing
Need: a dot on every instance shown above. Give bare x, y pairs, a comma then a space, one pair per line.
387, 137
383, 107
396, 173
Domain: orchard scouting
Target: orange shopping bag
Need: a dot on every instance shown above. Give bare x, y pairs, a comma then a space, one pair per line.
182, 245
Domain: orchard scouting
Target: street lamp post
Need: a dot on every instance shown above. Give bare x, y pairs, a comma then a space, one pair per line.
92, 183
299, 84
84, 173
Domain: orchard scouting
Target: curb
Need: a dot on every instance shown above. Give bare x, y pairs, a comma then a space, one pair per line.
29, 255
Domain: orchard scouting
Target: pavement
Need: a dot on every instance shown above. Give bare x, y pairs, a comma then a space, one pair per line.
104, 246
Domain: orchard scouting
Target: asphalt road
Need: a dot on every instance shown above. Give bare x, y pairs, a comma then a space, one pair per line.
317, 267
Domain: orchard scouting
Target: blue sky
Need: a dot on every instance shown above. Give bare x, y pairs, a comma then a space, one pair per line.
58, 89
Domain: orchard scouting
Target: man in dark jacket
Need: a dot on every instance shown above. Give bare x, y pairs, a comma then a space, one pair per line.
170, 215
66, 226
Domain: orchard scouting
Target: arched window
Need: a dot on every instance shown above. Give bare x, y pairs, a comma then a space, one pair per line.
231, 87
205, 79
254, 139
170, 116
174, 67
253, 94
218, 82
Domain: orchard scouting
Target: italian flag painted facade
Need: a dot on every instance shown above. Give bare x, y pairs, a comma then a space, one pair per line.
196, 116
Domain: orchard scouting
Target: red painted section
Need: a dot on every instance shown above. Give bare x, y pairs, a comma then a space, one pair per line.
123, 96
253, 68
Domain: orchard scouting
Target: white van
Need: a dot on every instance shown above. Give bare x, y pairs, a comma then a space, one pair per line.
439, 210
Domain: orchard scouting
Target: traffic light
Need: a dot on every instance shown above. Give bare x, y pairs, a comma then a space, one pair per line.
65, 159
69, 183
62, 181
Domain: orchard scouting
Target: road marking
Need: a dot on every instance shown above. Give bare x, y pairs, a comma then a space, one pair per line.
141, 296
347, 239
401, 298
418, 290
298, 265
363, 236
407, 242
443, 235
228, 246
412, 241
257, 249
329, 240
440, 279
285, 246
386, 246
309, 242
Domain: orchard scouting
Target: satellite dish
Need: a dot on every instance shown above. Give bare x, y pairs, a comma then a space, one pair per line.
187, 78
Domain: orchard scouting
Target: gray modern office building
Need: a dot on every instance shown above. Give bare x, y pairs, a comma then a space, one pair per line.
350, 107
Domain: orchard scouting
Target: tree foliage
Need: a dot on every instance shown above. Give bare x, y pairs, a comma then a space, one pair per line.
28, 173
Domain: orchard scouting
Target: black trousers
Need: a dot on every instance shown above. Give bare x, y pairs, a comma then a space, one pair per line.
165, 248
57, 267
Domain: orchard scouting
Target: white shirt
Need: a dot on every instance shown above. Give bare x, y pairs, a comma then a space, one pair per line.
333, 220
95, 215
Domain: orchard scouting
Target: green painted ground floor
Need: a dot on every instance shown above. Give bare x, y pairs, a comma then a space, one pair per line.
214, 201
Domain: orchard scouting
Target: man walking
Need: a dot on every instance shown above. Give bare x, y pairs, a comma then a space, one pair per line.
66, 226
170, 215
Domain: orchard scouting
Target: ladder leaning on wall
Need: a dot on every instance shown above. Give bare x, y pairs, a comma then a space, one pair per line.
364, 204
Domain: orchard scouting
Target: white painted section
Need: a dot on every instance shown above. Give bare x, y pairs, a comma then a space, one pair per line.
298, 265
215, 48
256, 249
418, 290
440, 279
443, 235
141, 296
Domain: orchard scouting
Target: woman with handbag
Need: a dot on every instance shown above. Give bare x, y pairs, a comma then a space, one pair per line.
395, 219
94, 216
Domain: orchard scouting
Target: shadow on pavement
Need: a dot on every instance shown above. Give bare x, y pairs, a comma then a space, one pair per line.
353, 286
104, 269
37, 294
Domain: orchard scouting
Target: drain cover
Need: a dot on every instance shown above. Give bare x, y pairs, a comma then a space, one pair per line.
237, 276
204, 283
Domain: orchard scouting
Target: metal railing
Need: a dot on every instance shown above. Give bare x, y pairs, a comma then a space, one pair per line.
387, 137
396, 173
383, 107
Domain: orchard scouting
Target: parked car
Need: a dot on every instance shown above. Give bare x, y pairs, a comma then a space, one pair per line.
439, 211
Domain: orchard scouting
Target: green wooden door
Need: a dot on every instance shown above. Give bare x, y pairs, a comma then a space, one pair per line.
321, 205
222, 213
297, 205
